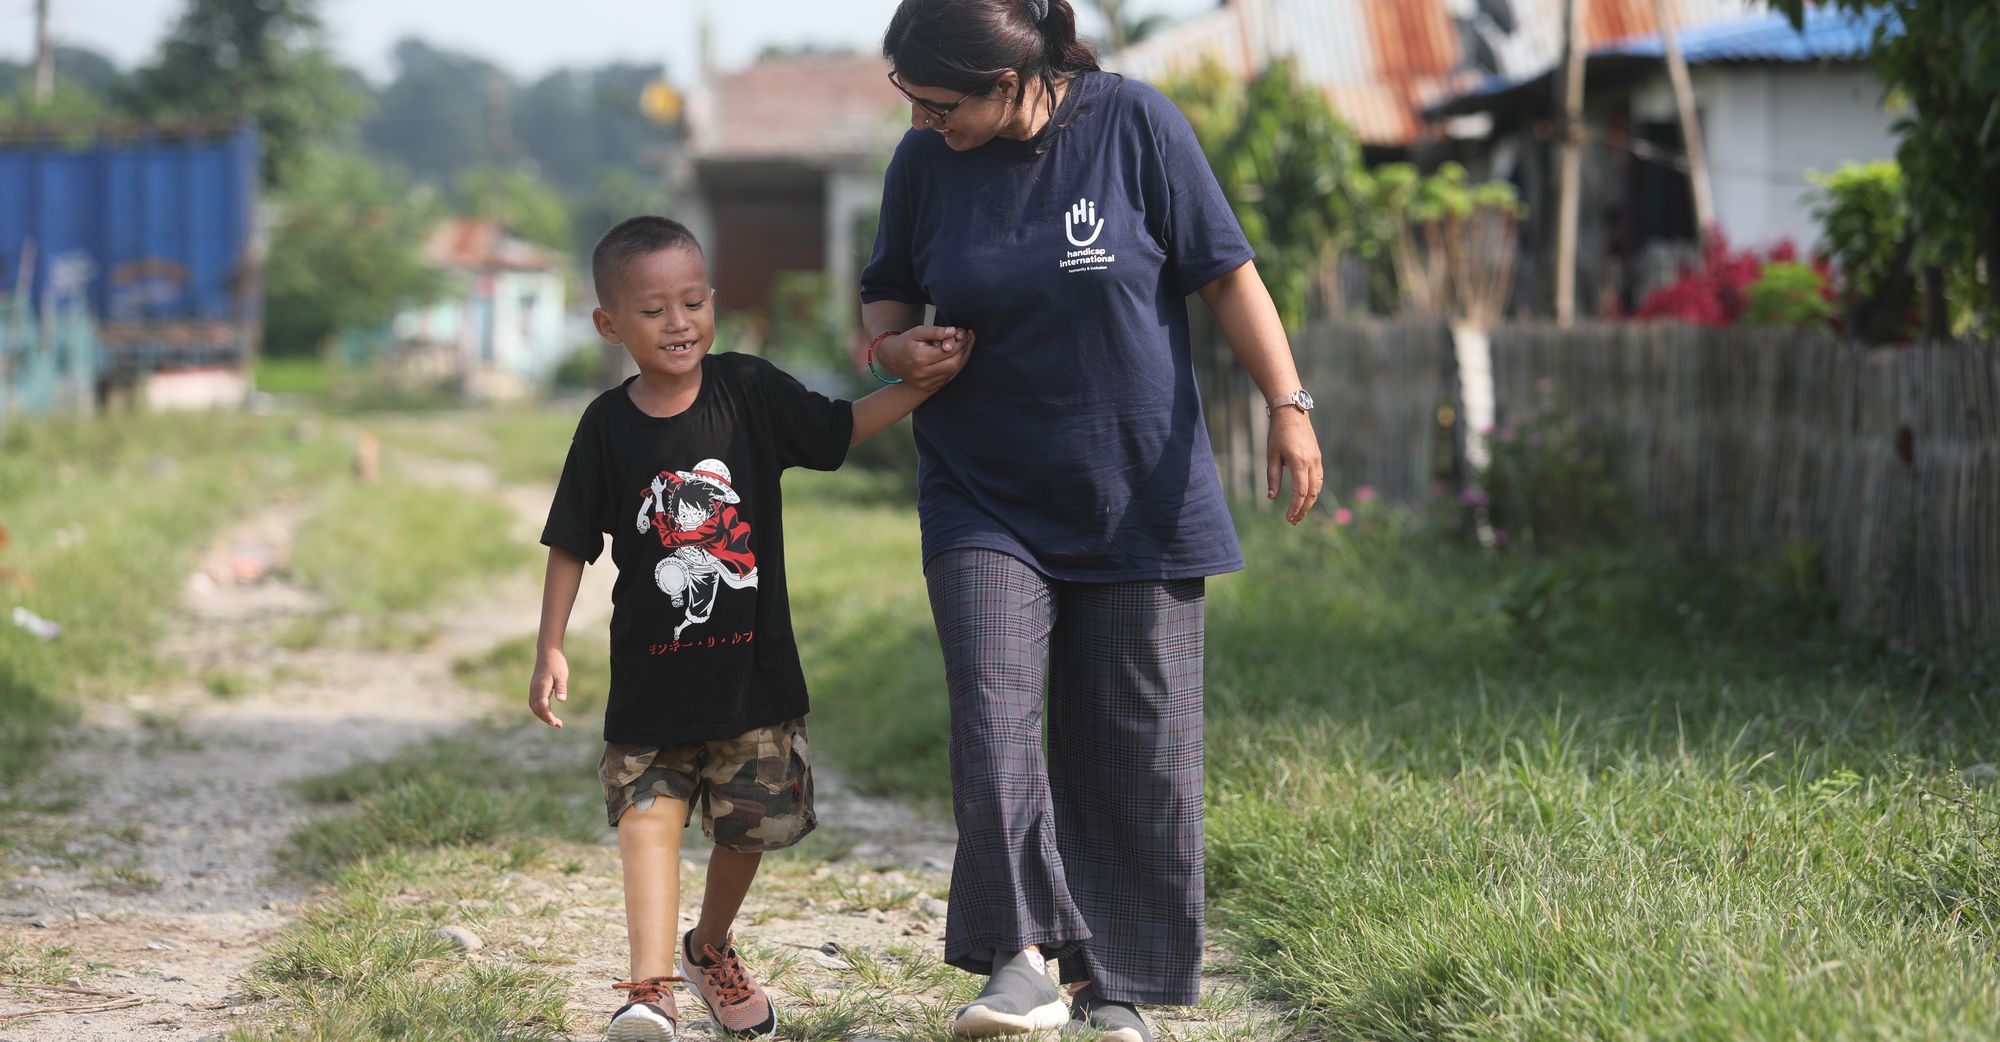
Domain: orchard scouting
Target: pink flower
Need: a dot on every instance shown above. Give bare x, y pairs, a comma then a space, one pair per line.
1507, 435
1473, 497
1500, 537
1343, 516
1364, 495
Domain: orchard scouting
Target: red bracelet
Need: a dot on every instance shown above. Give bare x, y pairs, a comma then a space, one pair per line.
876, 373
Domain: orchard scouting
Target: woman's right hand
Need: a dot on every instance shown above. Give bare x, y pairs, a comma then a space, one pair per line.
925, 357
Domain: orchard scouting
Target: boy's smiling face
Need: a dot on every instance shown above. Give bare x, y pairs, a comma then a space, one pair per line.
663, 313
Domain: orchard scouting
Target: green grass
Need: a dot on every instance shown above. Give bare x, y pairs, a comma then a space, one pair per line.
1452, 795
361, 963
524, 443
24, 960
104, 519
421, 837
1608, 795
390, 546
530, 443
459, 791
305, 377
863, 622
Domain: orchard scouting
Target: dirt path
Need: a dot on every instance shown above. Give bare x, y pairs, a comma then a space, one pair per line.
184, 802
183, 794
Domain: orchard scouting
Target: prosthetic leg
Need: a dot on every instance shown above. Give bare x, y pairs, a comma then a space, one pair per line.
649, 846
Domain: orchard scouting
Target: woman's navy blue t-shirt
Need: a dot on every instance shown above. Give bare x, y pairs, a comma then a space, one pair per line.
1073, 439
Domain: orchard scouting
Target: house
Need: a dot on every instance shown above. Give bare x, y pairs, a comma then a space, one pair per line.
1383, 62
498, 327
783, 173
1775, 105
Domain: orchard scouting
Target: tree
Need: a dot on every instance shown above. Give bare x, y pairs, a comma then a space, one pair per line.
72, 114
1942, 57
80, 66
1291, 170
526, 206
619, 193
89, 90
579, 124
345, 252
442, 113
261, 60
1124, 30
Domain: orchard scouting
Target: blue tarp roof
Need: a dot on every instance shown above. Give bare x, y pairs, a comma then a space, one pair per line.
1828, 35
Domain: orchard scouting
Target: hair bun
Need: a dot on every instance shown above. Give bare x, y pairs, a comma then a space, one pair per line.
1037, 9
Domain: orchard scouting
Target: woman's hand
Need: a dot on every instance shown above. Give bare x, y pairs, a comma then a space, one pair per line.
925, 357
1293, 447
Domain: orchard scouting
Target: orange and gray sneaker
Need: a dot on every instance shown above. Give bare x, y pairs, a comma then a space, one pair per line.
736, 1003
649, 1015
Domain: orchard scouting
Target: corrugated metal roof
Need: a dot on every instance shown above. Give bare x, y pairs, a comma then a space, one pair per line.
1376, 59
1828, 35
1382, 61
1536, 45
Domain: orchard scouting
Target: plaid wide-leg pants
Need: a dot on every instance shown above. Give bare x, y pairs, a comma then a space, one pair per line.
1096, 854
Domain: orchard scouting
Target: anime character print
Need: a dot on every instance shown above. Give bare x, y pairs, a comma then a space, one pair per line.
707, 541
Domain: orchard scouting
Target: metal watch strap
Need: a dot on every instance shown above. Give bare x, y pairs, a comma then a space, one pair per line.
1300, 399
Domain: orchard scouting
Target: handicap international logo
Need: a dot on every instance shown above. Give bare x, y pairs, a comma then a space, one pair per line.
1082, 226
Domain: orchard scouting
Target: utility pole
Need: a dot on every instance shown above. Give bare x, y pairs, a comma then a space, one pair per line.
1697, 154
1570, 188
45, 56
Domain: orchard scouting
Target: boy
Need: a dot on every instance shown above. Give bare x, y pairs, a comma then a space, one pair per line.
680, 465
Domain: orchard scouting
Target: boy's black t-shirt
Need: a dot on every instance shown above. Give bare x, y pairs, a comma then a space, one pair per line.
701, 632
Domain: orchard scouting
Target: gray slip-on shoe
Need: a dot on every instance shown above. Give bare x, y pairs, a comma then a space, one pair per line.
1093, 1017
1018, 998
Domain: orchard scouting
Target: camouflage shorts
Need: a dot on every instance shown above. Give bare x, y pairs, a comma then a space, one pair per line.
755, 789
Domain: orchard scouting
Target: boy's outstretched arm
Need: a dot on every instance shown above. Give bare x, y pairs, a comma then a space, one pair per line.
551, 676
879, 411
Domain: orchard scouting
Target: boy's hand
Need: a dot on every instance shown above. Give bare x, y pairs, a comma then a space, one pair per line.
551, 677
950, 362
926, 357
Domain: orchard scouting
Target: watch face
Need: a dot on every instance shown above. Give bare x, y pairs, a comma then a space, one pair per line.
1305, 400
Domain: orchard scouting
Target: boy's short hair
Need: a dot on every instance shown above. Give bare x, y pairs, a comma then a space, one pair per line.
634, 237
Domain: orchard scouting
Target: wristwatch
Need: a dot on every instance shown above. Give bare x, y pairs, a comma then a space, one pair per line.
1299, 398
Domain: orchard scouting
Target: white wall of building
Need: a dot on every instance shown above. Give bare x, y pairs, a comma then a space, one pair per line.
1767, 127
528, 338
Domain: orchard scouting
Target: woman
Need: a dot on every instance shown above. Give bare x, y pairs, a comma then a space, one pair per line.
1069, 498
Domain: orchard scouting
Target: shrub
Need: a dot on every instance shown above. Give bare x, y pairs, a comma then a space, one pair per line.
1542, 486
1793, 295
1717, 293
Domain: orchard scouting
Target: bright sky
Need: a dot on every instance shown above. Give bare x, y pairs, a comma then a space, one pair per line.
529, 37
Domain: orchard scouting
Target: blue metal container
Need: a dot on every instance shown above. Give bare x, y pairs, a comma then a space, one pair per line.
153, 231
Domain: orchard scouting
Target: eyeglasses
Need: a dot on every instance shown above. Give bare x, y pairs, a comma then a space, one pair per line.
938, 111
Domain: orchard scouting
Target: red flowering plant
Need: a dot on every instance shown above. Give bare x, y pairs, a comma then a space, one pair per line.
1725, 288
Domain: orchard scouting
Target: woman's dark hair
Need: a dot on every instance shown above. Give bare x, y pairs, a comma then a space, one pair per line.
967, 44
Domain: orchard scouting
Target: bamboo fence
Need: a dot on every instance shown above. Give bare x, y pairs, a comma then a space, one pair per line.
1886, 461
